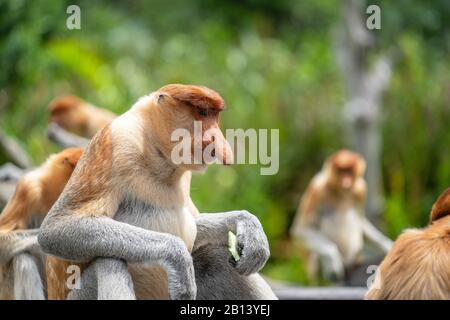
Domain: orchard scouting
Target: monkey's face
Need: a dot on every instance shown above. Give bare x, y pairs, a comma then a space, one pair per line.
344, 177
68, 112
346, 167
191, 117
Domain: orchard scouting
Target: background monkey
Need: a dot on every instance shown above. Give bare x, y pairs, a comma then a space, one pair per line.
128, 200
35, 193
79, 117
417, 266
330, 219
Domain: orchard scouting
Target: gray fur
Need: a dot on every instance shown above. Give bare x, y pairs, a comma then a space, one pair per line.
105, 279
10, 172
217, 278
86, 238
216, 274
212, 229
22, 257
325, 250
27, 278
376, 237
64, 138
16, 242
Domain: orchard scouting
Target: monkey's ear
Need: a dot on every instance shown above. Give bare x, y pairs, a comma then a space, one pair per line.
70, 162
197, 96
441, 207
161, 98
65, 161
72, 156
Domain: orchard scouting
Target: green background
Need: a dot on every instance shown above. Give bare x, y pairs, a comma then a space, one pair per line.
274, 63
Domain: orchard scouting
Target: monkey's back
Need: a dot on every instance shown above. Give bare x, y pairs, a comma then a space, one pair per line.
417, 267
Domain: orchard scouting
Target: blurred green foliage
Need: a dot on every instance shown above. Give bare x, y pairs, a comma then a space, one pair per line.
273, 62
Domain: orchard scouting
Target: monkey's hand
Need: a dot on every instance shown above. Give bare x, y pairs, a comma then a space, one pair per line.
252, 243
19, 241
86, 238
330, 258
332, 266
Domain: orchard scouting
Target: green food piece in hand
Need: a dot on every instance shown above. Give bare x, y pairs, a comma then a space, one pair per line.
232, 246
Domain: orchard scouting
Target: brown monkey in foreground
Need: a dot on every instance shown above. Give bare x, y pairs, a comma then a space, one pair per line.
418, 265
78, 116
35, 194
129, 200
331, 220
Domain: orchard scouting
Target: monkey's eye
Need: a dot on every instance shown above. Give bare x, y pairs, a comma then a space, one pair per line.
203, 112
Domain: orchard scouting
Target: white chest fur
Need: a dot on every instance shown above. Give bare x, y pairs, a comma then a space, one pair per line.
345, 229
177, 221
150, 281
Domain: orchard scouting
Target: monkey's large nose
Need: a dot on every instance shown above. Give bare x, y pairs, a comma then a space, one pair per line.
227, 157
222, 150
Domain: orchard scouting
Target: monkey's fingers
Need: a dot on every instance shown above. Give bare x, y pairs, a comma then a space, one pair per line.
252, 244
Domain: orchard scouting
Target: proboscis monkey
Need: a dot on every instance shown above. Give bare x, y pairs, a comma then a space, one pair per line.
127, 205
417, 266
331, 220
78, 116
20, 254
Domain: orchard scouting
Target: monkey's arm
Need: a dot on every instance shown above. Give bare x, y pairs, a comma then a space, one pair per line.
307, 214
65, 139
375, 236
212, 229
327, 250
84, 238
304, 229
15, 242
371, 233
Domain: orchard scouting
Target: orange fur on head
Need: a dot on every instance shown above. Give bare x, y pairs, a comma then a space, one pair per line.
37, 191
64, 103
442, 206
346, 159
78, 116
197, 96
344, 168
418, 266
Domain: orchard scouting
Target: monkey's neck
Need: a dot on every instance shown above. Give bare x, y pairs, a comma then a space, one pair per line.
146, 165
165, 172
173, 182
